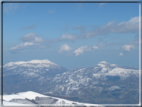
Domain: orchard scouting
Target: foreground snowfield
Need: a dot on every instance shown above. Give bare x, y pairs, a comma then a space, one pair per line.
36, 99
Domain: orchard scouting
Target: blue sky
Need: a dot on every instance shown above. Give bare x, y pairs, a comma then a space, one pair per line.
72, 34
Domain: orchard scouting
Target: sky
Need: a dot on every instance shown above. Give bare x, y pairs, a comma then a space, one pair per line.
72, 35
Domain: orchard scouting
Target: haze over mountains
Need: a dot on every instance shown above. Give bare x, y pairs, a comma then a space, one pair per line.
103, 83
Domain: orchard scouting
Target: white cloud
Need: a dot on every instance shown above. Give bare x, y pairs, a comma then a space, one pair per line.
31, 37
22, 45
95, 47
29, 40
128, 47
28, 37
121, 54
64, 47
67, 37
81, 50
123, 27
129, 26
38, 39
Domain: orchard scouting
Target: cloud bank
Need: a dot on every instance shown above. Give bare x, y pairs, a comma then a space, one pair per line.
130, 26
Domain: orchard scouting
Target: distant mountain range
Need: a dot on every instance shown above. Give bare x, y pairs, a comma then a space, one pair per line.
103, 83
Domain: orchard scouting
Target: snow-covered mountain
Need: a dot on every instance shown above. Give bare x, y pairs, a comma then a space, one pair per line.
103, 73
33, 68
28, 75
37, 99
80, 84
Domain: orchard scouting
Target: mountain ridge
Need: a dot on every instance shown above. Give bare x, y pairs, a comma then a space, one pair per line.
99, 79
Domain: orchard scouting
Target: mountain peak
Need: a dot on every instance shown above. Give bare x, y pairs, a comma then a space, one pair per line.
103, 62
40, 61
45, 61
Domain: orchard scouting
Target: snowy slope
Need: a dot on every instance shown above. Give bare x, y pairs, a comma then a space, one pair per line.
41, 63
75, 79
107, 69
43, 76
10, 97
32, 68
6, 103
33, 96
28, 75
